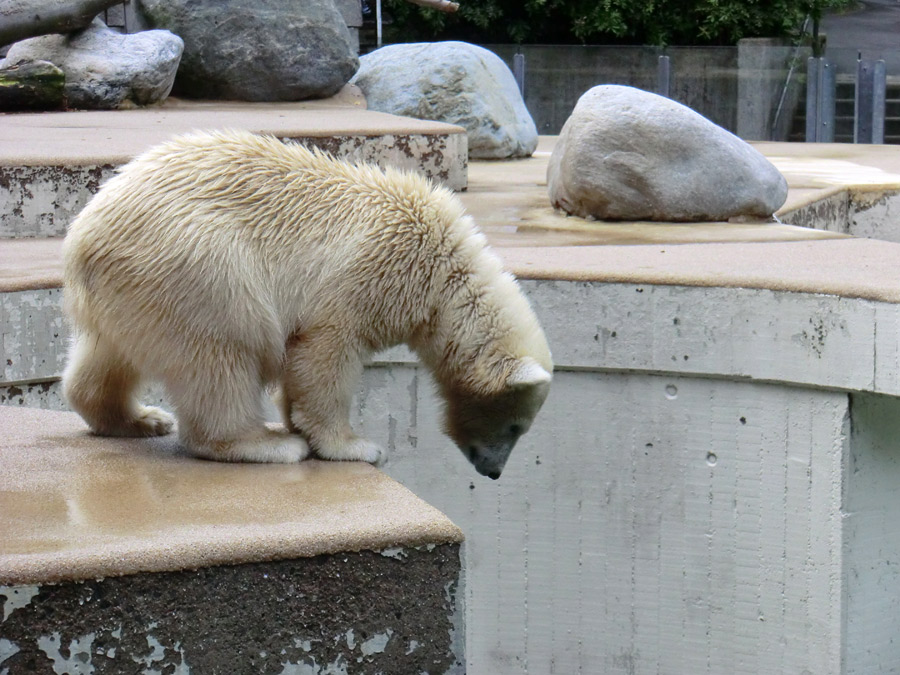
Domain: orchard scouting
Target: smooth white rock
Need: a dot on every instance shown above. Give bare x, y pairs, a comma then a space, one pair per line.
453, 82
627, 154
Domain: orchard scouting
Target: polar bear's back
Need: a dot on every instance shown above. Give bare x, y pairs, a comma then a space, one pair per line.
237, 237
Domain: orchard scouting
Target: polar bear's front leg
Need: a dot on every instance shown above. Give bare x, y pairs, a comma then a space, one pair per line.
322, 368
220, 415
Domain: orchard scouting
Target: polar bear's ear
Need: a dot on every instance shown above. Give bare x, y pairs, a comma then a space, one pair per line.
527, 373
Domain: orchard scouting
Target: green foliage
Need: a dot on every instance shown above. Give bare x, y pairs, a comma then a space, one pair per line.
653, 22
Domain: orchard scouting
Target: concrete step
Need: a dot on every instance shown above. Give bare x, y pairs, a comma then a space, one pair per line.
51, 163
118, 554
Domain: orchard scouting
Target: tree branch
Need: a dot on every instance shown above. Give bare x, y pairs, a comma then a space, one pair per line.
19, 20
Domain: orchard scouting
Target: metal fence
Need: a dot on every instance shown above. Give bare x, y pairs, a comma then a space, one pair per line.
759, 90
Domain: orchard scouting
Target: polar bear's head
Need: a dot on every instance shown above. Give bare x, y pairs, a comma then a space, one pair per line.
486, 426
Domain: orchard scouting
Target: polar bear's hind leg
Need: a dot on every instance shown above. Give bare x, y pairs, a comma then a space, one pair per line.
100, 384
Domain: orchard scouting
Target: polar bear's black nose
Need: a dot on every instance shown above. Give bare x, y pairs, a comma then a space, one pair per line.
494, 475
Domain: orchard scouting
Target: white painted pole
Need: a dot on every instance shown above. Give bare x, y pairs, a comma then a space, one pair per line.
378, 22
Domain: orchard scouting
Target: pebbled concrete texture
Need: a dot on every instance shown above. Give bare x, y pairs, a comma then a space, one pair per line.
394, 611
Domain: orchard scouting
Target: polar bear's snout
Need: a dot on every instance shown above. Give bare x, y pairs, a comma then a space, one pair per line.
490, 458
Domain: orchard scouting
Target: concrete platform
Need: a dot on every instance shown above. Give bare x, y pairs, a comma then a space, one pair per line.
50, 163
508, 200
118, 551
80, 507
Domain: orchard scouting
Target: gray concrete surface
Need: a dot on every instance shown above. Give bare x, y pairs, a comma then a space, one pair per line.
871, 27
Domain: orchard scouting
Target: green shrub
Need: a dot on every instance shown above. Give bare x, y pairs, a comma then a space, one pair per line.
654, 22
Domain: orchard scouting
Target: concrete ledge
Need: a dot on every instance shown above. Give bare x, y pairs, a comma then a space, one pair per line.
51, 163
823, 314
117, 553
79, 507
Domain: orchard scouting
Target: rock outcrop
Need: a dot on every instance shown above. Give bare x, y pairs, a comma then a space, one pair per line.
35, 85
105, 69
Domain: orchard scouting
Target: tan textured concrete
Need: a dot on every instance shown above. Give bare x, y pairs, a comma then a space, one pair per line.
28, 264
113, 137
74, 506
508, 200
846, 267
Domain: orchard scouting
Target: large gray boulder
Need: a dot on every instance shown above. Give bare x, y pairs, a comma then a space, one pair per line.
105, 69
21, 19
267, 50
452, 82
626, 154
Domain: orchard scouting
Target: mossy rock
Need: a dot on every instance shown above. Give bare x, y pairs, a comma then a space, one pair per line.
32, 85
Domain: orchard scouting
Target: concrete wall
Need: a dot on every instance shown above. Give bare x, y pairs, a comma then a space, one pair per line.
771, 80
872, 536
738, 88
709, 488
870, 213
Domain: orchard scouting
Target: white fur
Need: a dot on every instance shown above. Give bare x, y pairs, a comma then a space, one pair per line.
222, 262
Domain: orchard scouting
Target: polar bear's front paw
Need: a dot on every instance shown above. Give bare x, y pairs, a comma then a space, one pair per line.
354, 450
152, 421
146, 421
268, 447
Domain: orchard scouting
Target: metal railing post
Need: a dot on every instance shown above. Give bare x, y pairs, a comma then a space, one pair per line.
812, 98
879, 101
827, 88
869, 101
519, 72
662, 76
821, 80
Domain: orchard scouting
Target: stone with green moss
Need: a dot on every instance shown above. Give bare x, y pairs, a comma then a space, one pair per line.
32, 85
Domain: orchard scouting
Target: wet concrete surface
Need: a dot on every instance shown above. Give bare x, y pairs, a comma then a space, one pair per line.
77, 506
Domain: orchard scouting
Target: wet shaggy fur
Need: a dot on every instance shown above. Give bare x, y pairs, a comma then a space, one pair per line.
221, 263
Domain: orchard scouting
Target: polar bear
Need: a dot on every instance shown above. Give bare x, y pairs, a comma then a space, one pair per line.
222, 263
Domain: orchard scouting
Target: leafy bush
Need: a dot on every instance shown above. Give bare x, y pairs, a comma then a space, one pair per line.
654, 22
